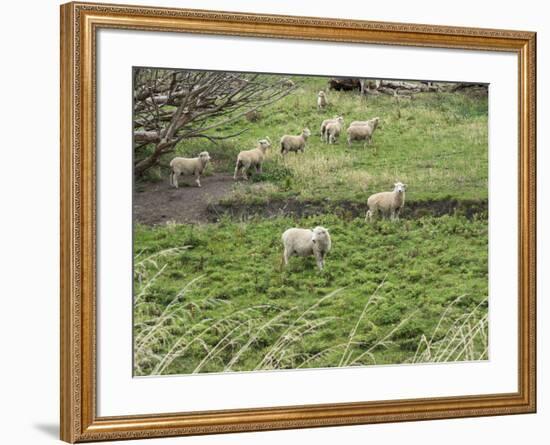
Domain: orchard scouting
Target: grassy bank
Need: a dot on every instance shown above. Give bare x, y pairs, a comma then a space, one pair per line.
434, 142
215, 297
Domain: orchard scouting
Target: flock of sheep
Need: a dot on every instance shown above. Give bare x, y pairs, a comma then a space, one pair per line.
297, 241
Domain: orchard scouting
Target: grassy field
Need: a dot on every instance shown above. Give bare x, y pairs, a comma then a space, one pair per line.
436, 143
214, 297
226, 279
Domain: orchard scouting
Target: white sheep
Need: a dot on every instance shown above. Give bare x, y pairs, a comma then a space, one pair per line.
252, 158
322, 100
333, 130
362, 130
306, 242
328, 121
338, 120
388, 203
295, 143
188, 166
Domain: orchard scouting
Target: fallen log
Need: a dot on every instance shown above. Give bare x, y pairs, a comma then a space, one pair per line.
344, 84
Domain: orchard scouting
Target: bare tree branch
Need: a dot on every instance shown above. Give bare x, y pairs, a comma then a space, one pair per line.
174, 105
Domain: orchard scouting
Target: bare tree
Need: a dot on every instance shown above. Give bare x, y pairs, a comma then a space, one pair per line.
173, 105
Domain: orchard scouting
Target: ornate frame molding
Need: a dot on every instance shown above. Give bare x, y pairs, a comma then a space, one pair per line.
79, 23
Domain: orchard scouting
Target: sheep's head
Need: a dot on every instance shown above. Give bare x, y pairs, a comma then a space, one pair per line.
204, 157
306, 132
399, 187
375, 121
321, 93
340, 120
264, 144
319, 234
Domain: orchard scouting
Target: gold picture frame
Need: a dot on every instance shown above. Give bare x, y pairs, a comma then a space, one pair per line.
79, 24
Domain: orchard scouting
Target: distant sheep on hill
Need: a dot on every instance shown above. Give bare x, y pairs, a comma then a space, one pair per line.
333, 131
362, 130
295, 143
188, 166
387, 203
252, 158
329, 121
322, 101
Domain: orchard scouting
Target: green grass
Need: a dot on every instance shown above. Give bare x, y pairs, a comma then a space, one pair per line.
436, 143
215, 297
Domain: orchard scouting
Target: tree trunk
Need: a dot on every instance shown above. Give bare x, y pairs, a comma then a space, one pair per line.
152, 160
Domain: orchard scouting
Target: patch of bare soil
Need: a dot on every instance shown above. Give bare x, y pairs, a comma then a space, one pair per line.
345, 209
158, 203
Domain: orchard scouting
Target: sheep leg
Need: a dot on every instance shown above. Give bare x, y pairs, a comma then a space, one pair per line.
175, 179
198, 179
368, 216
319, 258
259, 168
237, 166
373, 213
286, 256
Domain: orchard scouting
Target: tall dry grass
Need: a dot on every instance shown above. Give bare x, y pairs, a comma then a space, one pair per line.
158, 343
181, 335
456, 338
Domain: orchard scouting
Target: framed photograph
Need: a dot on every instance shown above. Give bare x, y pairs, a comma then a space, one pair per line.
273, 222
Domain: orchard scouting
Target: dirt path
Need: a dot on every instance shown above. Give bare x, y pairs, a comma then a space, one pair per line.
157, 203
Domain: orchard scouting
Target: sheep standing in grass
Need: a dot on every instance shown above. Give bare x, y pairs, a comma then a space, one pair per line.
322, 101
387, 203
362, 130
295, 143
188, 166
333, 131
306, 242
328, 121
252, 158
